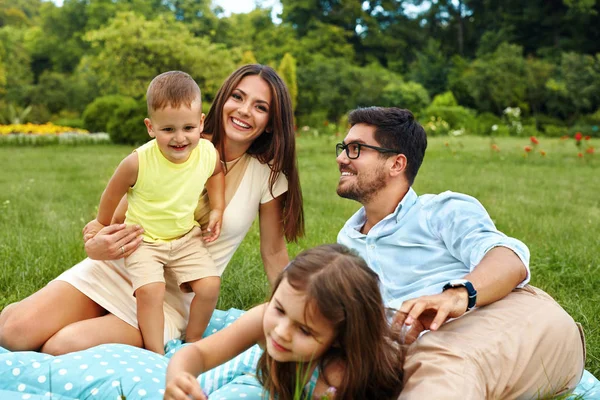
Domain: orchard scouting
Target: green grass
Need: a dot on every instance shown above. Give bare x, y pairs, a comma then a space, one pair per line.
552, 203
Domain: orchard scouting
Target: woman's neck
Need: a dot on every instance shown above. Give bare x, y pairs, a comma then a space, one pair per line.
234, 150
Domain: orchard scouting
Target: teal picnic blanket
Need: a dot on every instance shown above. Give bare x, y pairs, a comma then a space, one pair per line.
111, 370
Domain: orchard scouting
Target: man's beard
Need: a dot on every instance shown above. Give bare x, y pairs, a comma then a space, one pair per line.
364, 188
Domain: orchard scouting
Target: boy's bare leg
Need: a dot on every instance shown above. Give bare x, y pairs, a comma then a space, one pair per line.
206, 294
151, 317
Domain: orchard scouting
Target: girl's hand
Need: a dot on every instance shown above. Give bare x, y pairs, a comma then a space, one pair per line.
184, 387
213, 230
111, 242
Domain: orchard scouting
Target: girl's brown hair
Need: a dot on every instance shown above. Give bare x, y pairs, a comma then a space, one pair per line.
277, 148
341, 286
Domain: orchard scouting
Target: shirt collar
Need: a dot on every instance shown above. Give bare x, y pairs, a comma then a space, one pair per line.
356, 222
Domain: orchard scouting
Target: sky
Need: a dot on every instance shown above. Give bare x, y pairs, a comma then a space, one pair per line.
235, 6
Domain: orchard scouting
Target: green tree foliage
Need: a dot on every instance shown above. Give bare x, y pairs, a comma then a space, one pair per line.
497, 80
16, 56
409, 95
248, 58
287, 70
133, 50
431, 68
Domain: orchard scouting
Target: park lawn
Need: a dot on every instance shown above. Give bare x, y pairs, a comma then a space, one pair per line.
550, 202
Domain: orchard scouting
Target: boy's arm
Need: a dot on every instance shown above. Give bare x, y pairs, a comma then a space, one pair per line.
215, 187
124, 177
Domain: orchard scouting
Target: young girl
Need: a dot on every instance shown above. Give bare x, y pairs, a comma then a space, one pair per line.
324, 331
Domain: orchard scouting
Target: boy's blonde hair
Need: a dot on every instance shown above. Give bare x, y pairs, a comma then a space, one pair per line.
173, 88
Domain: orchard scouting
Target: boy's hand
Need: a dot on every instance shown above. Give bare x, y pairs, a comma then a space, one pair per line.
184, 387
214, 226
91, 229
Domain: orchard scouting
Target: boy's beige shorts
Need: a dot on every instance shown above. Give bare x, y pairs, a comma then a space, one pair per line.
187, 258
524, 346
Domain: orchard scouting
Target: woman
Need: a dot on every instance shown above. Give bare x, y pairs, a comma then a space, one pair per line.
251, 124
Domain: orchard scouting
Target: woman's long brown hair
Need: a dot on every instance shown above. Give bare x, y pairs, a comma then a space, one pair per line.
276, 148
340, 286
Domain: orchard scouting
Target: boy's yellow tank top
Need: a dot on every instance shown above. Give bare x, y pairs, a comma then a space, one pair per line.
166, 194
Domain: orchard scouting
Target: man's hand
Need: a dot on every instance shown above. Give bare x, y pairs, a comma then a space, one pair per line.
430, 312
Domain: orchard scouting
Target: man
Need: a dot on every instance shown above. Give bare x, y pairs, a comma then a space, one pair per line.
446, 268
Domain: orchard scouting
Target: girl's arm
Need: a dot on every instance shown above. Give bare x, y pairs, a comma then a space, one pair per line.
272, 238
215, 349
124, 177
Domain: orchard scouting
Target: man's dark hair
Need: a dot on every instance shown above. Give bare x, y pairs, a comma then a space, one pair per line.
395, 129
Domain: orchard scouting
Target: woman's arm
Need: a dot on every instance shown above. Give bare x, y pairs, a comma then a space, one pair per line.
272, 239
211, 351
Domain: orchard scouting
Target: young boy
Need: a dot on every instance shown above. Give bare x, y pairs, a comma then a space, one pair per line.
163, 180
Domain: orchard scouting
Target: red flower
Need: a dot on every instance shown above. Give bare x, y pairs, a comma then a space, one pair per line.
527, 149
542, 153
590, 150
579, 155
578, 136
495, 147
588, 137
534, 140
326, 123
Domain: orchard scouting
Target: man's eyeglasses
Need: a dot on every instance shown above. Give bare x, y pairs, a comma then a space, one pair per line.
353, 149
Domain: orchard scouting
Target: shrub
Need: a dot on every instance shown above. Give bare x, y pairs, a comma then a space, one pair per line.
126, 126
554, 130
410, 95
445, 99
457, 117
483, 123
99, 112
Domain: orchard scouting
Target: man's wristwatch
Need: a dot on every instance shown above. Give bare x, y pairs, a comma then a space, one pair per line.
472, 293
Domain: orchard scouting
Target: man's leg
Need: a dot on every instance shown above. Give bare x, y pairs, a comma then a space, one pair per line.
524, 346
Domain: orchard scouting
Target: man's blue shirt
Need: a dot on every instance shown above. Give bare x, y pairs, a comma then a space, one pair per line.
426, 242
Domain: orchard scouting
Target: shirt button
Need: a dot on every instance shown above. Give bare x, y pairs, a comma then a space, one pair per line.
372, 246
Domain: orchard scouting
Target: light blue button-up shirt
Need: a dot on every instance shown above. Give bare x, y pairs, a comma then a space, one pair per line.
426, 242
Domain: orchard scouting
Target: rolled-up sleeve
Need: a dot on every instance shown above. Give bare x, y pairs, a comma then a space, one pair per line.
467, 230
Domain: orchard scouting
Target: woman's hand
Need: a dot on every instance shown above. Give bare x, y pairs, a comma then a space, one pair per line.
111, 242
184, 387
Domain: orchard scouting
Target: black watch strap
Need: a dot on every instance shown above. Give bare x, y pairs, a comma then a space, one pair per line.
471, 292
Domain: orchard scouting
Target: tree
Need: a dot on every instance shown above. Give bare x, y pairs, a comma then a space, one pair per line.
133, 50
431, 68
287, 71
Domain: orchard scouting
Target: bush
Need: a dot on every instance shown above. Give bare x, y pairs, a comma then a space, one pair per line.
483, 123
126, 126
410, 95
445, 99
457, 117
99, 112
555, 131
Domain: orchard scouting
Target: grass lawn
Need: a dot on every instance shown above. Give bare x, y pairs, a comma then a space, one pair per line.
550, 202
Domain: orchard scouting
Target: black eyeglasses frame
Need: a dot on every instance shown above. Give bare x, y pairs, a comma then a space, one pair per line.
339, 147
